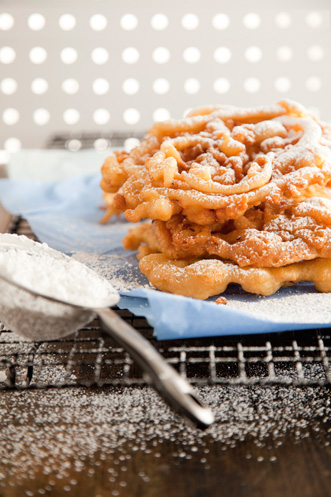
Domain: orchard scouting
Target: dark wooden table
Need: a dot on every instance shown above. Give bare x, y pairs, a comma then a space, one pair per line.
267, 441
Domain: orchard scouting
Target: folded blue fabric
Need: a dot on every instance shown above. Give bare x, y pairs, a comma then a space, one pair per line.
66, 215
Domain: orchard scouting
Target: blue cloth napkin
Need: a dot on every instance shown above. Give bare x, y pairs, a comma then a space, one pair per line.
66, 215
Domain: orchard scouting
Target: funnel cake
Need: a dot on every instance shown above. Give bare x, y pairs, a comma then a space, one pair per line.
234, 194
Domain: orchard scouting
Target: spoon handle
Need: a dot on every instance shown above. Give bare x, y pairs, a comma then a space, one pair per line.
174, 389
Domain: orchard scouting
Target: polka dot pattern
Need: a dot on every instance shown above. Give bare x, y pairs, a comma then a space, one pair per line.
119, 81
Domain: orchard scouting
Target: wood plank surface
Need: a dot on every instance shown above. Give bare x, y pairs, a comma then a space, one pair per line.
118, 442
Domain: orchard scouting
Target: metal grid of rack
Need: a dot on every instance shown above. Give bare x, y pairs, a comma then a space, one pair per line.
89, 358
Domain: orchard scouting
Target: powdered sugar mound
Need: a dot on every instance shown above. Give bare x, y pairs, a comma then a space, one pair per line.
39, 268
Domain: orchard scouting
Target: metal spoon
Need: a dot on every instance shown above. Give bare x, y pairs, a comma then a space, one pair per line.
174, 389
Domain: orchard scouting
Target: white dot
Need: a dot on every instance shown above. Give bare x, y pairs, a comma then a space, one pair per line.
130, 55
191, 55
101, 116
314, 19
8, 86
284, 54
159, 22
12, 145
70, 86
38, 55
73, 145
131, 116
100, 86
100, 55
130, 86
39, 86
222, 55
282, 84
161, 55
313, 83
41, 116
190, 21
253, 54
36, 22
283, 20
252, 20
6, 22
252, 85
7, 55
161, 86
71, 116
191, 86
101, 144
221, 85
69, 55
315, 53
129, 22
221, 21
131, 143
67, 22
10, 116
98, 22
161, 114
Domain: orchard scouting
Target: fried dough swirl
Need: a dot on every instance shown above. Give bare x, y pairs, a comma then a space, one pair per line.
246, 186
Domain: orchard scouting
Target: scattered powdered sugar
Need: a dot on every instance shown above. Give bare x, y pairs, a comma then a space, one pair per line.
51, 440
121, 269
301, 303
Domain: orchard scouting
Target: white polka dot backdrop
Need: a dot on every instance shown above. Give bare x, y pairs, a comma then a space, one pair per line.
99, 55
221, 85
70, 86
98, 22
161, 114
161, 86
190, 21
71, 116
100, 86
41, 116
106, 66
191, 55
252, 20
38, 55
69, 55
36, 22
8, 86
67, 22
6, 21
161, 55
101, 116
39, 86
130, 86
159, 22
130, 55
221, 21
129, 22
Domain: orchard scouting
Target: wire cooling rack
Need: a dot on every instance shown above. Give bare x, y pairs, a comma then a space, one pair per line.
89, 358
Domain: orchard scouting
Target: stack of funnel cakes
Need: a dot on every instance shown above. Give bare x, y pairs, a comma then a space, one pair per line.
237, 195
